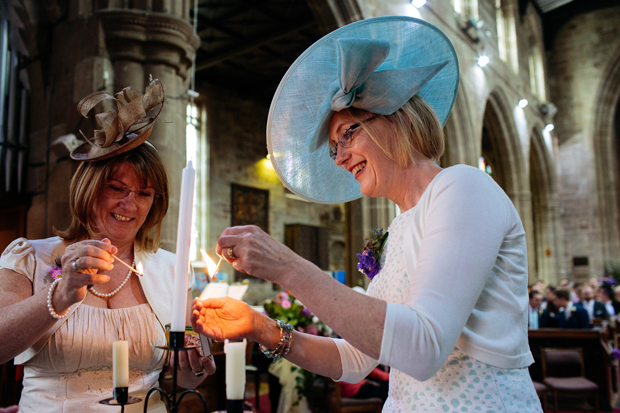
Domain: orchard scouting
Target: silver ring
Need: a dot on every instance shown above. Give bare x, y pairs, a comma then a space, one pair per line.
231, 253
74, 265
200, 373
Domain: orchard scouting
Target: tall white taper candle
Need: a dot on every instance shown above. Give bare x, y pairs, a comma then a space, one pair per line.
235, 369
120, 364
181, 269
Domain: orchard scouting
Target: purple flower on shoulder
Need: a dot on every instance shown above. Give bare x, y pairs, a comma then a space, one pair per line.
369, 259
306, 312
367, 265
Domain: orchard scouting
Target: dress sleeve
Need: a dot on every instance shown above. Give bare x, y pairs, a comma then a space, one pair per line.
463, 223
355, 364
19, 257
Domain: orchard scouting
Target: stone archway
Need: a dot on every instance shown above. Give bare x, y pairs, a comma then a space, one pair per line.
606, 157
460, 142
547, 247
501, 149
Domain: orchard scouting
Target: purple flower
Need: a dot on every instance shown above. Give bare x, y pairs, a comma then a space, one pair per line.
306, 312
367, 265
615, 354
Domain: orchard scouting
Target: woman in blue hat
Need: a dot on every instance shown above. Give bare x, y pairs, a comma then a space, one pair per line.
361, 112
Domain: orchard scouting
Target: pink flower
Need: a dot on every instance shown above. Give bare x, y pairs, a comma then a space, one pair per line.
55, 272
286, 304
281, 297
311, 329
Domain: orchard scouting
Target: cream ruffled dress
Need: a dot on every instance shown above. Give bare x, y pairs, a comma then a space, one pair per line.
73, 371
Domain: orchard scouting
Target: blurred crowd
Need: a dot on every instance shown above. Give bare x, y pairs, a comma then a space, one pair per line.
572, 304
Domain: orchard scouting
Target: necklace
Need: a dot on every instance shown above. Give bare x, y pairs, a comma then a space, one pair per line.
108, 295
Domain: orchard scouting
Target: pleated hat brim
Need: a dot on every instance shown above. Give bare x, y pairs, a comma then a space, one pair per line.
312, 174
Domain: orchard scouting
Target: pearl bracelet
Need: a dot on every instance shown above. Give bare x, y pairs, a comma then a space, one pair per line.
49, 302
283, 346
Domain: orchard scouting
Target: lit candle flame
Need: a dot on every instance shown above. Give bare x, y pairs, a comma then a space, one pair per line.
211, 266
140, 269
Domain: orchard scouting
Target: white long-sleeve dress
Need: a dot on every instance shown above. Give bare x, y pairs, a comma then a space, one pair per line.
454, 274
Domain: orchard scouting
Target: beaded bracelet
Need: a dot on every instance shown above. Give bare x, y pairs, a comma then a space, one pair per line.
49, 302
283, 346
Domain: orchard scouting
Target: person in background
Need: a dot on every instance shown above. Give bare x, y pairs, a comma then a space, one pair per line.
568, 315
605, 294
594, 283
534, 308
575, 289
549, 290
375, 385
595, 308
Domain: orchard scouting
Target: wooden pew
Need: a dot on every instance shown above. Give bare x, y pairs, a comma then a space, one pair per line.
595, 345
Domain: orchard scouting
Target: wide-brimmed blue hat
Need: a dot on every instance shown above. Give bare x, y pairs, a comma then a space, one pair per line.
376, 65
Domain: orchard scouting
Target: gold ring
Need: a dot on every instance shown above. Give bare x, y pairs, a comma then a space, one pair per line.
231, 253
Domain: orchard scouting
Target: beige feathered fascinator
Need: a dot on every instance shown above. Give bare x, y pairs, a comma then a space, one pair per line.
121, 130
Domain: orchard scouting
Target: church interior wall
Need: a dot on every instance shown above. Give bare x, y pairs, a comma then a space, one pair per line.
582, 50
237, 152
83, 59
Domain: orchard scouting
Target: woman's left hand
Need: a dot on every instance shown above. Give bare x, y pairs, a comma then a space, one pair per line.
193, 369
224, 318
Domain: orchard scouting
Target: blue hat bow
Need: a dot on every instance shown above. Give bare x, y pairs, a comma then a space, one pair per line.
361, 86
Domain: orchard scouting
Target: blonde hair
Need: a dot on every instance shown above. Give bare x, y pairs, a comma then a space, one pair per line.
89, 180
415, 129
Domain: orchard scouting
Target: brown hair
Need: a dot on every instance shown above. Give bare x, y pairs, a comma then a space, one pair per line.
415, 129
89, 180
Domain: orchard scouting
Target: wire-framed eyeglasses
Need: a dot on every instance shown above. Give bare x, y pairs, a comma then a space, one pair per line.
347, 137
146, 196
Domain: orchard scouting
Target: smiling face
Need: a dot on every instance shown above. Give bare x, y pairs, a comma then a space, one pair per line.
120, 219
372, 168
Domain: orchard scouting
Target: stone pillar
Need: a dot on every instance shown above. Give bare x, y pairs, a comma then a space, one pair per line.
549, 244
144, 44
522, 201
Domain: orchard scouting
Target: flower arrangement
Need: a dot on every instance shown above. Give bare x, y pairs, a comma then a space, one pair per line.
55, 270
370, 258
288, 309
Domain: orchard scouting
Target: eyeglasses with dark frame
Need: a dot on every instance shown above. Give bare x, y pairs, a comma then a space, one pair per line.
146, 196
347, 137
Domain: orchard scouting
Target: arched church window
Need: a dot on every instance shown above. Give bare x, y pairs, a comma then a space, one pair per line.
197, 152
506, 34
468, 8
13, 117
483, 165
537, 73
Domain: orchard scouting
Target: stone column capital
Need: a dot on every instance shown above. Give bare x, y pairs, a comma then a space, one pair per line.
151, 37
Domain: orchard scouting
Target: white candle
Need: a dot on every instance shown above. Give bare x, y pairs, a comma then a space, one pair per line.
181, 270
235, 370
120, 364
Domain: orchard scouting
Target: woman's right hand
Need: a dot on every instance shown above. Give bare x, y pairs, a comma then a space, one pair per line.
80, 265
224, 318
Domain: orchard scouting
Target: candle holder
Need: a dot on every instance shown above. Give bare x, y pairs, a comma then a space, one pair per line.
176, 343
235, 406
120, 396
